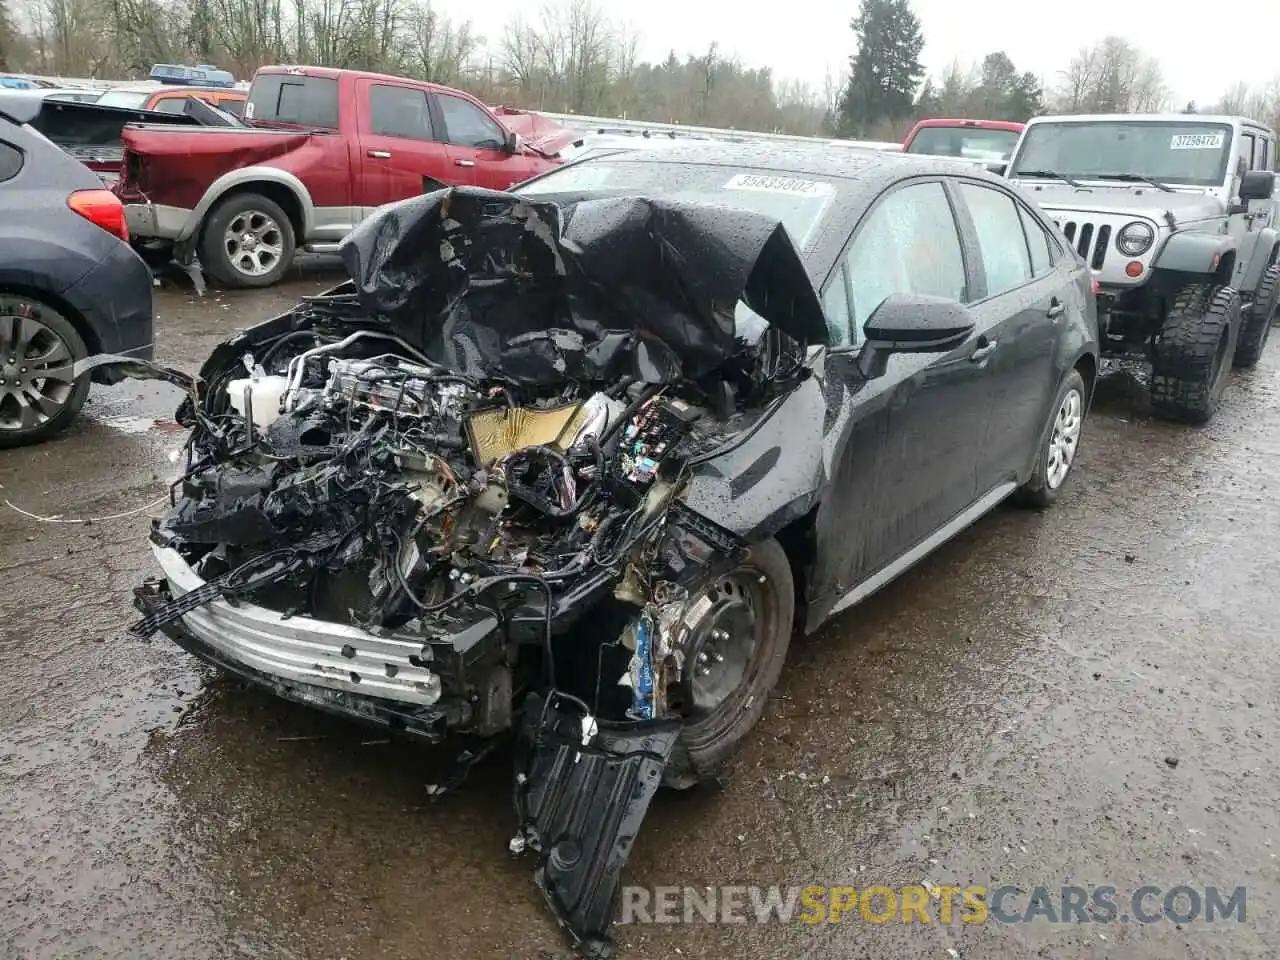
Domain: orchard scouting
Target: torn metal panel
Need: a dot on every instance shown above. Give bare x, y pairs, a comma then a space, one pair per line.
583, 788
494, 285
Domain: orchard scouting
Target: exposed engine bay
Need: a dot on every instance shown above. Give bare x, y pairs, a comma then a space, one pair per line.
454, 484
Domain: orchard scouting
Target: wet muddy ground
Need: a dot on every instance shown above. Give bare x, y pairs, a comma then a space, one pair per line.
1009, 712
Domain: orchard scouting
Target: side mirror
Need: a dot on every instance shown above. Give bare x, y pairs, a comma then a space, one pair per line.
1257, 185
911, 323
998, 168
512, 143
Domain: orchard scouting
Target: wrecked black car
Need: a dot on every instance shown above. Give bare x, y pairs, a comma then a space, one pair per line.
576, 462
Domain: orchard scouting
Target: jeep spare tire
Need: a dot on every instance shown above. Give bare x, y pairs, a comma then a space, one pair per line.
1257, 321
247, 241
1191, 357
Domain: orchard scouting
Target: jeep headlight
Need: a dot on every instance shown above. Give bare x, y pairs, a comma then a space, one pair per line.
1135, 239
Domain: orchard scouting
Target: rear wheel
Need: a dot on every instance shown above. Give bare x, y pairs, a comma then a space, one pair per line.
1191, 358
1059, 447
247, 241
735, 652
38, 349
1257, 322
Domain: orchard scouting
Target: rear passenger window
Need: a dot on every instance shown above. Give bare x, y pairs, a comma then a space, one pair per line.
399, 112
287, 98
1000, 238
1039, 242
10, 162
171, 105
907, 244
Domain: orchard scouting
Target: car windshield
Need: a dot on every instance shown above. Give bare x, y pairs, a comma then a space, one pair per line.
123, 98
798, 200
972, 142
1195, 154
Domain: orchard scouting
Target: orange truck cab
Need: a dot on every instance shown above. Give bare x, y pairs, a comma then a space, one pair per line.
171, 85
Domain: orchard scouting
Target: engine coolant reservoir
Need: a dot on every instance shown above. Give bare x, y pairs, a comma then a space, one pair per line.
265, 394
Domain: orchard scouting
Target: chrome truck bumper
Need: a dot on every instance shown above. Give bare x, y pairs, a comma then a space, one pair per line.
338, 668
155, 221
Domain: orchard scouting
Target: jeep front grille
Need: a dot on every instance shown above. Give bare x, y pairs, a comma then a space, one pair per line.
1090, 241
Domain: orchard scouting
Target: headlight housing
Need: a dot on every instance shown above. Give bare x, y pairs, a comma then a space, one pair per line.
1135, 239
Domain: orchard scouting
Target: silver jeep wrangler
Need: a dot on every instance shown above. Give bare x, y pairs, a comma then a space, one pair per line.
1177, 216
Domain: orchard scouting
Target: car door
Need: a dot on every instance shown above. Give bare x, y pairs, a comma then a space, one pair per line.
906, 461
400, 155
1022, 302
477, 146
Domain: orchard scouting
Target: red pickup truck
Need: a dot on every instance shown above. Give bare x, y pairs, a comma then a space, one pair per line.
985, 141
320, 150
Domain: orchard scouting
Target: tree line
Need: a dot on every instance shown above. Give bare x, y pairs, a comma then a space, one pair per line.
569, 57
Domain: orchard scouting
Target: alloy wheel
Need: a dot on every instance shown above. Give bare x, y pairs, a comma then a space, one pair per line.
36, 381
253, 243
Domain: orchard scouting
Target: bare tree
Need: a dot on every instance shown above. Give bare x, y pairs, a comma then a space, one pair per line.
1112, 76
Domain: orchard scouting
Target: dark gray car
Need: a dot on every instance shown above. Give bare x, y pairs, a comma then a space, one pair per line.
70, 285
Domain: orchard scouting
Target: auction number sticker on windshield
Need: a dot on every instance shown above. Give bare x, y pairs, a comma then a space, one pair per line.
793, 186
1196, 141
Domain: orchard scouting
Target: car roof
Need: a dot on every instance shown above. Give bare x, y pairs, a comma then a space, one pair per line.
863, 175
851, 163
1150, 118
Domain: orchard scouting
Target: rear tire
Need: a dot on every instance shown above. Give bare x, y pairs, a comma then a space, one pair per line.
1257, 322
1191, 358
763, 582
1059, 445
37, 339
247, 241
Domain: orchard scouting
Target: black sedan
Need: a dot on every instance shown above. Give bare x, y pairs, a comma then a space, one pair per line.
578, 459
70, 285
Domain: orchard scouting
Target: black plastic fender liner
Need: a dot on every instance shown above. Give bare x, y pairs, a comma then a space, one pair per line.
581, 806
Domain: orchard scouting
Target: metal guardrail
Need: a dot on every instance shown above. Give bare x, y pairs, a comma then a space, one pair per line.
580, 123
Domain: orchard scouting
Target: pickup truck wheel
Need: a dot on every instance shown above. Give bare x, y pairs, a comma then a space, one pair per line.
38, 348
247, 242
1191, 358
1257, 322
734, 656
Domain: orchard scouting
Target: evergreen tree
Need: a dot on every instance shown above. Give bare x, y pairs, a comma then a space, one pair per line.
886, 70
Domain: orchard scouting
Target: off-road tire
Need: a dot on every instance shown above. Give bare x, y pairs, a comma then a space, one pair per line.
1037, 492
1256, 327
706, 745
1191, 357
214, 259
14, 304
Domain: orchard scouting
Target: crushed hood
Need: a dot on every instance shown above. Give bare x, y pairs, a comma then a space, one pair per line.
1141, 200
494, 285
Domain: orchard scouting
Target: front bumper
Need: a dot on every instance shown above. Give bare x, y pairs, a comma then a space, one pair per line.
340, 669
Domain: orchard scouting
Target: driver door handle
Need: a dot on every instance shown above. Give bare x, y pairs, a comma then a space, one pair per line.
464, 163
1056, 309
984, 349
379, 154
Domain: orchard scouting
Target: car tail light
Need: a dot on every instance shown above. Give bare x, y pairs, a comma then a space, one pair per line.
103, 208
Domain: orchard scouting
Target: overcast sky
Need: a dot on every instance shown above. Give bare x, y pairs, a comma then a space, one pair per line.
806, 38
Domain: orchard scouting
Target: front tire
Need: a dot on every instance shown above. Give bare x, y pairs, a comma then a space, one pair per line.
38, 349
1059, 446
1257, 322
735, 654
1191, 358
247, 241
